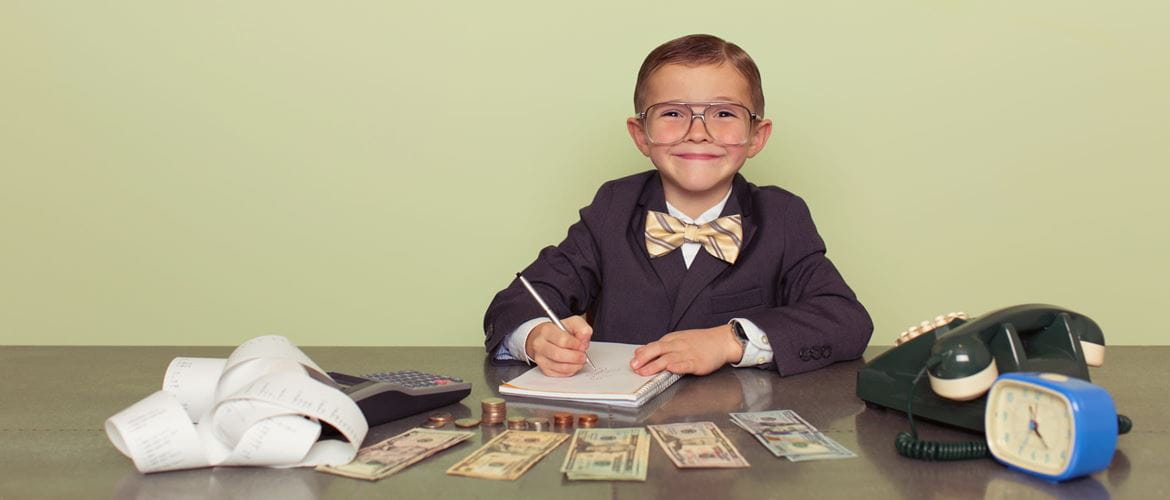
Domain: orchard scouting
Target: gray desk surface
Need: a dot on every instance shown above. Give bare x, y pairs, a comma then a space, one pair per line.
55, 401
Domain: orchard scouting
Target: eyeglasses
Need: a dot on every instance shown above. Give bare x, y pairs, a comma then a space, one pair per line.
728, 123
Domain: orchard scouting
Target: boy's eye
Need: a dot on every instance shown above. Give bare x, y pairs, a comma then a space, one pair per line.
671, 113
725, 113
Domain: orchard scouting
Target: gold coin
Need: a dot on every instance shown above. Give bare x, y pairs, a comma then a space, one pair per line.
442, 417
466, 422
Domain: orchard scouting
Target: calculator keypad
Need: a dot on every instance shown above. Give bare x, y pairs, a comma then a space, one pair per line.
412, 379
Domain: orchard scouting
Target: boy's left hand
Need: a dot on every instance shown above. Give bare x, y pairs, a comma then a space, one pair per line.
699, 352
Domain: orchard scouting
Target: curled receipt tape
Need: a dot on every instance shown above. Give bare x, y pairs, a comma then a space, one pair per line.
263, 405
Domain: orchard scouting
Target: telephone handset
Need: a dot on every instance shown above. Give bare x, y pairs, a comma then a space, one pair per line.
967, 354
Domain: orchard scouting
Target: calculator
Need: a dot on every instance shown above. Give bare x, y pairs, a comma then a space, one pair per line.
387, 396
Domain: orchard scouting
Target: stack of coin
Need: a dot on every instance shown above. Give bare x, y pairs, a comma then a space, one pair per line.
587, 420
495, 410
438, 420
562, 419
517, 423
466, 423
539, 424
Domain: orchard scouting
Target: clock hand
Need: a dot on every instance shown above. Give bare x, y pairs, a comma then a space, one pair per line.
1034, 426
1036, 429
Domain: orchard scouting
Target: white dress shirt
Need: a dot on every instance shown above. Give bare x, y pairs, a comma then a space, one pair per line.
756, 352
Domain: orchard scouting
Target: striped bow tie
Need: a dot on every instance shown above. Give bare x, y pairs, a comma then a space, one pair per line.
721, 237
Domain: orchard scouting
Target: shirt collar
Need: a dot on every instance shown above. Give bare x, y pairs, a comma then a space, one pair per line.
705, 217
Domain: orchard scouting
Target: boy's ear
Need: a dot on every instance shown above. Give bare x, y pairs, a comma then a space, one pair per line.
638, 134
760, 137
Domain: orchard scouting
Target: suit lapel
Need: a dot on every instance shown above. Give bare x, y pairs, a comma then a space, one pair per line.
668, 271
706, 268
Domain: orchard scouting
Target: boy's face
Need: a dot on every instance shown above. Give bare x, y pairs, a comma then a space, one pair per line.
698, 165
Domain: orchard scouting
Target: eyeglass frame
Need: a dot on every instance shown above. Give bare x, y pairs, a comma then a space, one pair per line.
702, 115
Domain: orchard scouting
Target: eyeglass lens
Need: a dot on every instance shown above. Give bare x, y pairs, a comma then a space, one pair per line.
727, 124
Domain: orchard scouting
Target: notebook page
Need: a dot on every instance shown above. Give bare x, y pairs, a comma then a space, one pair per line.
612, 374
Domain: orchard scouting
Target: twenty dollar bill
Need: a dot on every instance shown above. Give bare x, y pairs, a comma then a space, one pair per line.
394, 454
608, 454
697, 445
508, 456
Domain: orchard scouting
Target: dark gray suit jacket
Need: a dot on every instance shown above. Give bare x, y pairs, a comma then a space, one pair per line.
782, 280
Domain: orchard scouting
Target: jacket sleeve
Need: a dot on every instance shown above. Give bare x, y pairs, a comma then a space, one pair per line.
819, 320
567, 276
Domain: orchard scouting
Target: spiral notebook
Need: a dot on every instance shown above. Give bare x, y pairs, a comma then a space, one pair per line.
609, 381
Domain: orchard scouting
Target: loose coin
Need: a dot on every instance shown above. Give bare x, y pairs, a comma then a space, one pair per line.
517, 423
587, 418
466, 422
539, 424
440, 418
434, 425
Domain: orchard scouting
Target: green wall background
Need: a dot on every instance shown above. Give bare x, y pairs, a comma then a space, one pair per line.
191, 173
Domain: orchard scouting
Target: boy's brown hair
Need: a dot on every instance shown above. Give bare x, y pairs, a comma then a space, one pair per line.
697, 50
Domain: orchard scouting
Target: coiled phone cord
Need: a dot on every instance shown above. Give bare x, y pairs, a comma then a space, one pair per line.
908, 444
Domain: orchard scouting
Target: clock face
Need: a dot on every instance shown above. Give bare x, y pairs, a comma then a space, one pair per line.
1030, 427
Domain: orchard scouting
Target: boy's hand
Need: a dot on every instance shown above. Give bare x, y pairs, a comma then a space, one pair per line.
688, 351
559, 354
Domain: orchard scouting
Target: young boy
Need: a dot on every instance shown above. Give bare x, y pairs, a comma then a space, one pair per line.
701, 266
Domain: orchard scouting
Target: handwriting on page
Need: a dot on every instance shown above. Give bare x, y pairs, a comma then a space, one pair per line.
600, 373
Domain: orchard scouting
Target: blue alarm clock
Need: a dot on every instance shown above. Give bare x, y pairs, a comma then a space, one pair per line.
1050, 425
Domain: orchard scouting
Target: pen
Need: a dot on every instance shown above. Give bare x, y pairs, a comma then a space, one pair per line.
549, 312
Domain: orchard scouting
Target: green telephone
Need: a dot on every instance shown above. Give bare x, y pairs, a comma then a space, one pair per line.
969, 353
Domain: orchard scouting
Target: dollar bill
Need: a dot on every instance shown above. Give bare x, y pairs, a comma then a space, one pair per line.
508, 455
608, 454
697, 445
766, 425
387, 457
786, 434
815, 446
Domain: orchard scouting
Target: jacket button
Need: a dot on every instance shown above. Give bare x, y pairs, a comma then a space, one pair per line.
827, 351
815, 352
804, 354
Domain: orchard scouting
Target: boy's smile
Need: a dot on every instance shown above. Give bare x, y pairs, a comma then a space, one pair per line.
697, 171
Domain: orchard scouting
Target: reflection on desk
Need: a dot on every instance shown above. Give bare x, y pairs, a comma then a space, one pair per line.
55, 447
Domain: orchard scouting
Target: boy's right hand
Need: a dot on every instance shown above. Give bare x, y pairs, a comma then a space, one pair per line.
559, 354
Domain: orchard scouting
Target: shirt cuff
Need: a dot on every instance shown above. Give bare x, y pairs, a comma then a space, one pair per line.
757, 351
513, 345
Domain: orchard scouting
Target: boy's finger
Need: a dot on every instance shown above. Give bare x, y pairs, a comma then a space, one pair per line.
578, 327
583, 336
554, 369
658, 364
563, 340
644, 354
553, 373
570, 356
